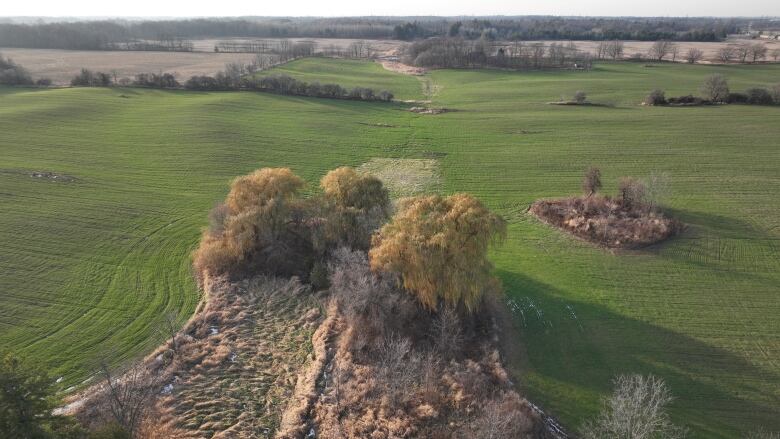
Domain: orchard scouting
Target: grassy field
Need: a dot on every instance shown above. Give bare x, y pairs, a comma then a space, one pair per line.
350, 73
92, 263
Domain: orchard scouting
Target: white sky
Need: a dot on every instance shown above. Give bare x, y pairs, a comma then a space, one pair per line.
159, 8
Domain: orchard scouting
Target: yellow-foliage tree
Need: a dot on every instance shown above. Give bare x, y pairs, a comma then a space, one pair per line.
438, 245
358, 204
261, 229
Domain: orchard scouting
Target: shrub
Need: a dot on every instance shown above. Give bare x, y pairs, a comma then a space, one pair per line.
656, 97
43, 82
438, 246
26, 403
12, 73
715, 88
737, 98
203, 83
632, 192
155, 80
775, 91
636, 410
580, 97
685, 100
261, 188
88, 78
759, 96
591, 183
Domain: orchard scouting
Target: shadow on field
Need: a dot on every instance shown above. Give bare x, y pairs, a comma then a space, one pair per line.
721, 225
577, 348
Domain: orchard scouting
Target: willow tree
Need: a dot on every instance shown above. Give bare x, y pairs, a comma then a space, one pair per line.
261, 226
438, 246
358, 205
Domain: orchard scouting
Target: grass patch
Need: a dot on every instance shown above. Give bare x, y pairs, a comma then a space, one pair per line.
404, 177
94, 263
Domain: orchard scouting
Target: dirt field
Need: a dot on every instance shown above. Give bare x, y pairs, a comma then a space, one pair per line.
62, 65
381, 47
710, 49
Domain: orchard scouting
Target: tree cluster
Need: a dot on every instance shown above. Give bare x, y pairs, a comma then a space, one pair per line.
156, 80
266, 226
461, 53
13, 74
175, 34
715, 89
89, 78
286, 85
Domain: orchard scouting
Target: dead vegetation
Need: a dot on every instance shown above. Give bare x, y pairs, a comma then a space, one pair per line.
630, 220
228, 373
429, 110
398, 371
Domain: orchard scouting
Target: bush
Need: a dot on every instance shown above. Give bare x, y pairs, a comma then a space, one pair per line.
591, 183
88, 78
685, 100
759, 96
632, 192
737, 98
580, 97
202, 83
636, 410
775, 91
13, 74
43, 82
155, 80
656, 97
715, 88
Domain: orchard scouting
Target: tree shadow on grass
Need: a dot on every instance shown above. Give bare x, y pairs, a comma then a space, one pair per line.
580, 346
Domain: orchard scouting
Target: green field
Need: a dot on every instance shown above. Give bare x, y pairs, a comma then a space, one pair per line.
91, 264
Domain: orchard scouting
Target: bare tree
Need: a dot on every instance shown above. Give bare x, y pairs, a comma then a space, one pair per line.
694, 55
675, 50
591, 183
632, 192
129, 396
715, 88
657, 188
742, 51
662, 48
614, 49
636, 410
169, 327
727, 54
776, 54
447, 333
758, 51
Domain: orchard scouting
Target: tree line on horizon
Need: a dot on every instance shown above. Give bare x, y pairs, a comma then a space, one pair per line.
172, 34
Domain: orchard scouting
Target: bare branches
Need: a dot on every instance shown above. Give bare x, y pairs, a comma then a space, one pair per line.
636, 410
128, 396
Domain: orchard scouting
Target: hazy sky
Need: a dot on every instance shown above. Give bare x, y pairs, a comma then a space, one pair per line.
390, 7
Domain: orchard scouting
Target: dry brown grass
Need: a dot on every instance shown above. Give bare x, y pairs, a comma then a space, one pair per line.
607, 221
234, 365
404, 177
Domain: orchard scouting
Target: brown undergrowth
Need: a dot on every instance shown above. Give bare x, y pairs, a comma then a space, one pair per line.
606, 221
395, 370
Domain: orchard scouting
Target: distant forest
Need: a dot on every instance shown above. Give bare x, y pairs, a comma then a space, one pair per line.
170, 34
